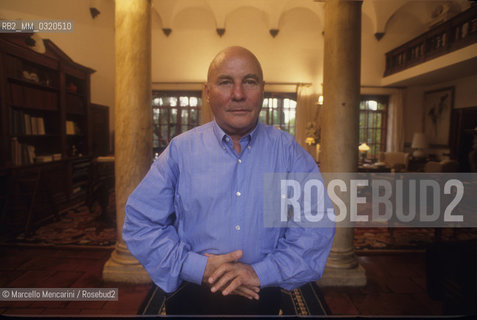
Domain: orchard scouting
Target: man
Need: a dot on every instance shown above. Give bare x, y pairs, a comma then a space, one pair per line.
196, 220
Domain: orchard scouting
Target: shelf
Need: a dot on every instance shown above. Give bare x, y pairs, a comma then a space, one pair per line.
80, 181
32, 136
75, 94
36, 164
75, 105
33, 84
32, 97
75, 114
75, 135
34, 109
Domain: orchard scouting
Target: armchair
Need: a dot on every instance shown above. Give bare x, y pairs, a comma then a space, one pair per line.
443, 166
399, 161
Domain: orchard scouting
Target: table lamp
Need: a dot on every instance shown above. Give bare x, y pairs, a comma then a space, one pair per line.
363, 149
419, 143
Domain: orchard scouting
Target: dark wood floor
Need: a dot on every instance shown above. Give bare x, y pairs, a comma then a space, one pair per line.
396, 284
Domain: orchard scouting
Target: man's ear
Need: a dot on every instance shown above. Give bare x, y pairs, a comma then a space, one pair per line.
263, 90
207, 91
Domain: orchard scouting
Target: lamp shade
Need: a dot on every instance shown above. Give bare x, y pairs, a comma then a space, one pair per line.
419, 141
363, 147
320, 100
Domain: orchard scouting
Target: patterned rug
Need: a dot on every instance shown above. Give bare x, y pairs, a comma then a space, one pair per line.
387, 239
304, 301
399, 239
76, 227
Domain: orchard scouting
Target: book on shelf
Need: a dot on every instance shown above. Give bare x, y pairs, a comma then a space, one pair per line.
22, 154
28, 127
70, 127
18, 122
13, 123
40, 126
44, 158
25, 124
31, 153
34, 126
15, 152
28, 154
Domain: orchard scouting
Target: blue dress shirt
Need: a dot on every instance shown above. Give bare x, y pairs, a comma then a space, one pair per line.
201, 196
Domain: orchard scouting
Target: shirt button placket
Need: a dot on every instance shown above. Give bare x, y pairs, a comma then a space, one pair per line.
237, 221
237, 194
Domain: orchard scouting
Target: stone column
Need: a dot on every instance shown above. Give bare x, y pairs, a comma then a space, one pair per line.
133, 124
339, 144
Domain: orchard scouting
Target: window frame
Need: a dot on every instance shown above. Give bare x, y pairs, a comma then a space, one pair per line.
162, 142
280, 109
375, 146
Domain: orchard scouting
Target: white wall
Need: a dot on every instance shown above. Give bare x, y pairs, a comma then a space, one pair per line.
295, 55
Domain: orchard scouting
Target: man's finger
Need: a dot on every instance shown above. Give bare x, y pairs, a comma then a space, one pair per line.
247, 292
233, 256
222, 282
219, 272
236, 283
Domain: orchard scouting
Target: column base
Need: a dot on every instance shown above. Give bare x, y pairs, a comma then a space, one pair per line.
133, 273
338, 277
123, 267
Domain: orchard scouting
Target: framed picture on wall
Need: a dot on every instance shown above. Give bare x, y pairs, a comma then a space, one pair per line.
438, 105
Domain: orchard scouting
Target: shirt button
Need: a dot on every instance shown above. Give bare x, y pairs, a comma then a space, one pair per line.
238, 194
227, 139
237, 227
239, 161
249, 147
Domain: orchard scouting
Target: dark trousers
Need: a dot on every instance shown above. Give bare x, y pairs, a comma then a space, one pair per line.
191, 299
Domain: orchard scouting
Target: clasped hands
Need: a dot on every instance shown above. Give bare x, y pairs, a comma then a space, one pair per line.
223, 273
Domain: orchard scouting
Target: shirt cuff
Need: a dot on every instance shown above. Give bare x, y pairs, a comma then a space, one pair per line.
265, 271
193, 268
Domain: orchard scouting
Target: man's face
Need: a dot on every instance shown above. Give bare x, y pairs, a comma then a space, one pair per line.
235, 92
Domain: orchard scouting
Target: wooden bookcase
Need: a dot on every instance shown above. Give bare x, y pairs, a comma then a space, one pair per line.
45, 133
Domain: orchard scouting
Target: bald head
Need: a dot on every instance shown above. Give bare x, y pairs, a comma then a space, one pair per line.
234, 91
230, 53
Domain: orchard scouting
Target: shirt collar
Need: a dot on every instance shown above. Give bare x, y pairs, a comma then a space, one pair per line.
220, 134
